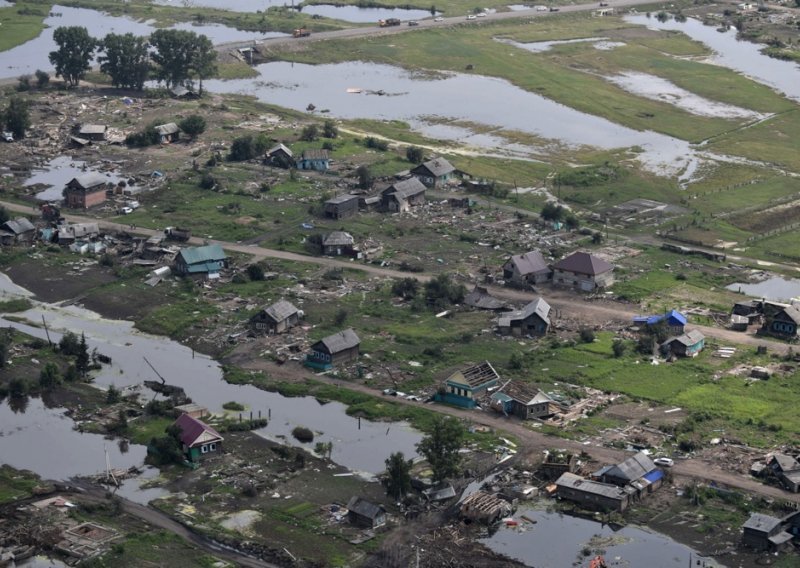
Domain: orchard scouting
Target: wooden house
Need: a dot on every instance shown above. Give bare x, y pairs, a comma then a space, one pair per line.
523, 400
86, 190
787, 470
532, 320
765, 532
95, 132
280, 156
584, 272
341, 206
277, 318
335, 349
199, 440
403, 195
192, 409
784, 322
434, 173
209, 260
527, 269
365, 514
629, 470
689, 344
314, 159
168, 133
17, 231
674, 321
483, 507
463, 388
339, 243
591, 494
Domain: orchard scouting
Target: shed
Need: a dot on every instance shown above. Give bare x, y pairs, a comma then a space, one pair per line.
209, 259
583, 271
687, 345
341, 347
462, 388
528, 268
193, 410
339, 243
764, 532
280, 156
277, 318
86, 190
401, 196
314, 159
93, 131
434, 172
168, 133
341, 206
15, 231
363, 513
198, 439
532, 320
592, 494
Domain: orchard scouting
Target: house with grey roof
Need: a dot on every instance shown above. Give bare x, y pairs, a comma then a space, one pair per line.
168, 133
583, 271
690, 344
434, 173
785, 322
339, 243
314, 159
341, 206
17, 231
403, 195
765, 532
280, 156
591, 494
277, 318
523, 400
529, 268
787, 470
365, 514
464, 387
341, 347
96, 132
86, 190
532, 320
637, 472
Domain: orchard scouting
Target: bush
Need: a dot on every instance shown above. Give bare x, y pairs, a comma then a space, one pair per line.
24, 83
552, 212
233, 405
303, 434
148, 137
586, 335
341, 317
255, 272
207, 181
618, 347
42, 78
516, 361
376, 144
365, 178
113, 395
193, 125
310, 133
414, 154
330, 130
405, 288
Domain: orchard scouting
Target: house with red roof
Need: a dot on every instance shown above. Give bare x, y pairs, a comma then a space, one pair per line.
584, 272
197, 438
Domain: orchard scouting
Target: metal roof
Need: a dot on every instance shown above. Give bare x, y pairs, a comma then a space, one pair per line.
530, 263
19, 225
341, 341
583, 263
93, 129
201, 255
688, 339
364, 508
437, 167
339, 199
476, 375
315, 154
338, 238
633, 468
406, 188
539, 307
89, 180
168, 128
192, 431
572, 481
524, 393
280, 310
280, 147
761, 523
792, 313
785, 462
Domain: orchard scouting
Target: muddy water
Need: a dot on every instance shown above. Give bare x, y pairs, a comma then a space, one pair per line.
741, 56
413, 98
363, 449
364, 15
57, 172
778, 289
630, 546
33, 55
542, 46
232, 5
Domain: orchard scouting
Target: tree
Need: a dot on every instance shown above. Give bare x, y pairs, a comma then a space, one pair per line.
182, 55
204, 59
398, 475
552, 212
330, 130
571, 221
82, 357
126, 59
74, 55
255, 272
113, 395
440, 448
618, 347
42, 78
441, 291
415, 154
193, 125
5, 343
406, 288
242, 149
586, 335
16, 116
24, 83
69, 344
364, 177
49, 377
4, 214
310, 133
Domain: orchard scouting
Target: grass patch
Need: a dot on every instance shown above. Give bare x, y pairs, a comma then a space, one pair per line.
773, 141
15, 305
16, 484
21, 22
144, 429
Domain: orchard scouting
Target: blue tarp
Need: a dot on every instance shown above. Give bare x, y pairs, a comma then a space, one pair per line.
654, 475
673, 317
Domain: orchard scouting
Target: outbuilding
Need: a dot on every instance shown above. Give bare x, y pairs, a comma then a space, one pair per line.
363, 513
168, 133
689, 344
341, 347
277, 318
341, 206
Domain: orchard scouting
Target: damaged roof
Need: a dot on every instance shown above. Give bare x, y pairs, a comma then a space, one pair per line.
633, 468
479, 297
524, 393
761, 522
281, 310
341, 341
93, 129
315, 154
19, 225
792, 313
197, 255
337, 239
476, 375
539, 307
279, 148
688, 339
339, 199
530, 263
437, 167
583, 263
572, 481
364, 508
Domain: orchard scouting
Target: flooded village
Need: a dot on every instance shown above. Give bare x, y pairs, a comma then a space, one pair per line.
285, 286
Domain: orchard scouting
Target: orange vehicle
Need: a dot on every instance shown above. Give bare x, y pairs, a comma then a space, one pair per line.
301, 32
389, 22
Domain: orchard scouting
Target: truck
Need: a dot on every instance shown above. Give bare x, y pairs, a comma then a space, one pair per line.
389, 22
301, 32
177, 234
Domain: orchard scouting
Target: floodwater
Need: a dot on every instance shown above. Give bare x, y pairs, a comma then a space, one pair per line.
659, 89
57, 172
741, 56
33, 55
360, 447
629, 546
449, 96
777, 288
541, 46
364, 15
232, 5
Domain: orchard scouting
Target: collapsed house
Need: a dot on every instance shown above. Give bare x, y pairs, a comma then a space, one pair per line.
484, 508
464, 388
786, 469
168, 133
480, 298
341, 206
592, 494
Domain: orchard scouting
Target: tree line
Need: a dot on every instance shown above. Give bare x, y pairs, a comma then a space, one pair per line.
172, 57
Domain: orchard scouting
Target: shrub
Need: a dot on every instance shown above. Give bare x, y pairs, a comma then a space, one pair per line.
376, 143
24, 83
193, 125
207, 181
341, 316
414, 154
330, 130
42, 78
255, 272
303, 434
586, 335
113, 395
618, 347
405, 288
233, 405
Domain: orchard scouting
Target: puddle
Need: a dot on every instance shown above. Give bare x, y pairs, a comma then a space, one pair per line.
360, 449
608, 45
58, 171
741, 56
632, 546
659, 89
406, 96
359, 15
778, 289
33, 55
541, 46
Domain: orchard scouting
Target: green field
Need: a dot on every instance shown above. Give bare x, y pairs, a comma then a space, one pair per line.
21, 22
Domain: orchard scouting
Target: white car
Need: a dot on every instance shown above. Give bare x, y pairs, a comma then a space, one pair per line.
666, 462
541, 8
438, 19
125, 210
482, 15
8, 136
471, 17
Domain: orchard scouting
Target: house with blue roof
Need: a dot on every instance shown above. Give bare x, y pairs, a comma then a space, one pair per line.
208, 260
673, 319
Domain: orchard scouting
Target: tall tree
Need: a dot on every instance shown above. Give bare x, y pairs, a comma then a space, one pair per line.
125, 58
82, 357
16, 116
74, 55
441, 447
172, 56
398, 472
204, 59
49, 377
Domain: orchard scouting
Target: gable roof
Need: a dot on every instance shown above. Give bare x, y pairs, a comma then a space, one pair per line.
761, 523
583, 263
88, 180
344, 198
194, 432
168, 128
539, 307
338, 238
476, 375
280, 310
338, 342
406, 188
529, 263
572, 481
315, 154
673, 317
199, 255
279, 147
688, 339
479, 297
524, 393
785, 462
364, 508
633, 468
19, 225
437, 167
792, 313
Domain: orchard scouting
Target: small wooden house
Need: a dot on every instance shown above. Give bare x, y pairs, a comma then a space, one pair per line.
784, 322
403, 195
314, 159
532, 320
463, 388
530, 268
523, 400
17, 231
765, 532
280, 156
592, 494
95, 132
689, 344
364, 514
168, 133
209, 259
192, 409
86, 190
341, 206
434, 173
277, 318
628, 471
584, 272
339, 243
199, 440
335, 349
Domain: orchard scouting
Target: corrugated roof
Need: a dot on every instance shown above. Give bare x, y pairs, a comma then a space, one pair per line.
93, 129
633, 468
785, 462
337, 239
281, 310
341, 341
583, 263
201, 255
572, 481
539, 307
761, 522
89, 180
476, 375
437, 167
792, 313
19, 225
364, 508
168, 128
406, 188
530, 263
279, 147
339, 199
315, 154
524, 393
192, 430
688, 339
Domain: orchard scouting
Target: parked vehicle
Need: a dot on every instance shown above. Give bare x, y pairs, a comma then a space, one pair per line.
125, 210
666, 462
438, 19
8, 136
389, 22
301, 32
554, 9
177, 234
482, 15
413, 23
471, 17
132, 204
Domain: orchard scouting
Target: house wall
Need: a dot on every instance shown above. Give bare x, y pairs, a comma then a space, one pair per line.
783, 327
756, 539
202, 451
342, 210
266, 325
80, 199
592, 500
318, 165
338, 250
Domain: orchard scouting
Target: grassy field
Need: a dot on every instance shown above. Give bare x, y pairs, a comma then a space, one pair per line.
15, 484
21, 22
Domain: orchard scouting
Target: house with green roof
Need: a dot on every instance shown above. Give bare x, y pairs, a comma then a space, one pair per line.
209, 259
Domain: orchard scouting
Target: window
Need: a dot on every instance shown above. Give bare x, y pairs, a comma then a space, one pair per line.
212, 447
204, 449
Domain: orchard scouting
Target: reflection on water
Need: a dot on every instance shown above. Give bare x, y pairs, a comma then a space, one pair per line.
777, 288
233, 5
364, 15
